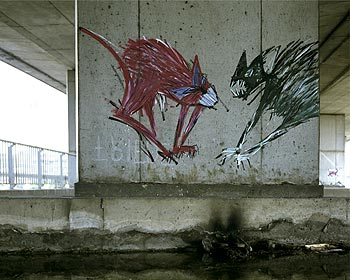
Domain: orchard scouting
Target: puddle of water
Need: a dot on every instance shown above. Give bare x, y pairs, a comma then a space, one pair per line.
169, 266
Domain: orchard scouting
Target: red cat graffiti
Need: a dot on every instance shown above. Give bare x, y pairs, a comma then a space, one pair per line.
153, 70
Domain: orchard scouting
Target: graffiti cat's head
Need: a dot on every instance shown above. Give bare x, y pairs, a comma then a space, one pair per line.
201, 91
246, 79
199, 80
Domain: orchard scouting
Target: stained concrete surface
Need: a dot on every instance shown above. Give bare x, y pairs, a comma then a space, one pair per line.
282, 234
141, 224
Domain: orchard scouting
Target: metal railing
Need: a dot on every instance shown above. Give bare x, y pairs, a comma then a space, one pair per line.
25, 166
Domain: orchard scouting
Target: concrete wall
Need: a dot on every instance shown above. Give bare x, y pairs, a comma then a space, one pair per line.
332, 149
218, 31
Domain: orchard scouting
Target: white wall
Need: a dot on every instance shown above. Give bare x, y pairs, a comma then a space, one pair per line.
332, 147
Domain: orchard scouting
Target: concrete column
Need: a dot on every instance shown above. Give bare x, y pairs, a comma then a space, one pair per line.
72, 128
72, 143
293, 157
108, 150
332, 148
218, 32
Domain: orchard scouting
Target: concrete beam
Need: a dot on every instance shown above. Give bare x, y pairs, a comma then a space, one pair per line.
31, 70
342, 75
339, 25
335, 49
33, 38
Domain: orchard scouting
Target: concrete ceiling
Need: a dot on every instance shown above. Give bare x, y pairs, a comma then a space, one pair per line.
335, 59
38, 38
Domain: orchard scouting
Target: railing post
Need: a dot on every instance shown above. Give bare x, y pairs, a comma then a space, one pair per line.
72, 173
11, 170
61, 170
40, 169
25, 164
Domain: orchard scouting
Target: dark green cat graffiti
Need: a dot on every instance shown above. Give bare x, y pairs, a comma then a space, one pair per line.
286, 83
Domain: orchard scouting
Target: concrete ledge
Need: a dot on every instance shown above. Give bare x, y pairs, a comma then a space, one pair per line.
200, 191
336, 192
17, 240
281, 233
35, 214
165, 223
38, 193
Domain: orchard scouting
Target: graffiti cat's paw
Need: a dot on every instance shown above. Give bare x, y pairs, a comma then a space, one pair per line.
167, 156
235, 154
190, 151
227, 154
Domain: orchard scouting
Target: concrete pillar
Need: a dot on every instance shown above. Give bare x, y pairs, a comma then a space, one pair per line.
108, 150
72, 142
217, 32
293, 157
332, 148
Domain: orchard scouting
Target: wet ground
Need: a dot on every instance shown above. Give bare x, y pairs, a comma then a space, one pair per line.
177, 266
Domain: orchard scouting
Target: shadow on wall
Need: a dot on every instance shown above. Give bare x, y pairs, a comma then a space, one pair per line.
219, 222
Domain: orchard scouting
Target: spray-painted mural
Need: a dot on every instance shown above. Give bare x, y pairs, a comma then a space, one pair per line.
153, 72
282, 82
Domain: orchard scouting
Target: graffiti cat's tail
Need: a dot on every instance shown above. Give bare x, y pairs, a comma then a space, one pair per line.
122, 113
111, 48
